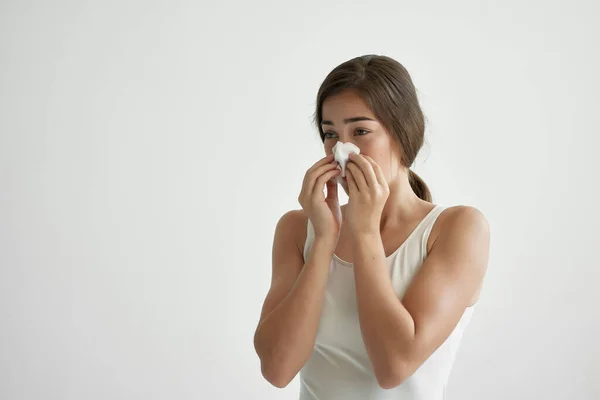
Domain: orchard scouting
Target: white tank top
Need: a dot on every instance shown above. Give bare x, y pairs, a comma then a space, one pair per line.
339, 367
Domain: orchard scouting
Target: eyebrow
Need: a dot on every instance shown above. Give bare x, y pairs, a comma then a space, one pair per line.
348, 120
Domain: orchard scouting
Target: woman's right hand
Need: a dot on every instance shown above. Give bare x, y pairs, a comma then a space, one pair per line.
324, 212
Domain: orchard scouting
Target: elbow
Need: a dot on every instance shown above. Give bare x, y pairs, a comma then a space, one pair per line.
278, 365
272, 371
275, 376
393, 375
390, 381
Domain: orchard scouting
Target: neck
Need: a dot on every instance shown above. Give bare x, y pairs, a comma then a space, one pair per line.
402, 203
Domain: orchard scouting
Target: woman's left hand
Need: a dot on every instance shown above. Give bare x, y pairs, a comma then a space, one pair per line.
368, 192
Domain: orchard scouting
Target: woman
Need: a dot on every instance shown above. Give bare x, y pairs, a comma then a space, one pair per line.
370, 300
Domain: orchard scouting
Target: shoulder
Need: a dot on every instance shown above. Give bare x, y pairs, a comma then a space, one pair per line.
461, 246
457, 219
293, 219
458, 249
461, 218
292, 225
464, 223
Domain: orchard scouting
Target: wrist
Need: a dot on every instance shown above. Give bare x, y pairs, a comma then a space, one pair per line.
366, 247
365, 240
326, 243
360, 236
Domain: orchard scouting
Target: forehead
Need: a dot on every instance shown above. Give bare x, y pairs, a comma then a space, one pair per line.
345, 104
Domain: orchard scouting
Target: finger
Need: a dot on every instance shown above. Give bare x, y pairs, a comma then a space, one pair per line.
352, 189
312, 176
359, 178
320, 183
378, 172
332, 190
323, 161
365, 167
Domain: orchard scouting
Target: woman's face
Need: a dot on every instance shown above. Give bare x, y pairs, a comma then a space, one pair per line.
347, 118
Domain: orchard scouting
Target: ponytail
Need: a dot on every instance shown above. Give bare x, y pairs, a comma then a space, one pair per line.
418, 186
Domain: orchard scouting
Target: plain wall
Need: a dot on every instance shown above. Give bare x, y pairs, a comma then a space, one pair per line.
147, 150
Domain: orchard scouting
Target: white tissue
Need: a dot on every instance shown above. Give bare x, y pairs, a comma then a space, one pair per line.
341, 153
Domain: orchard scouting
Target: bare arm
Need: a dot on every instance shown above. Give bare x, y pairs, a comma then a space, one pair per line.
288, 324
401, 334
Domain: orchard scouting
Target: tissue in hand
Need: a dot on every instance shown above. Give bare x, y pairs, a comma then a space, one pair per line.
341, 152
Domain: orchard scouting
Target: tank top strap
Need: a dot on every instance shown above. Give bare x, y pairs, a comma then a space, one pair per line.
427, 224
310, 236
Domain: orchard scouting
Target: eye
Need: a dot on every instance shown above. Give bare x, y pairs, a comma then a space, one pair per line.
329, 135
361, 132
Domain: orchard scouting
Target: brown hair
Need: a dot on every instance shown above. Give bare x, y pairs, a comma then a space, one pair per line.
387, 88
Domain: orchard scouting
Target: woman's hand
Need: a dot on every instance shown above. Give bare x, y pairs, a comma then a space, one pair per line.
368, 192
324, 212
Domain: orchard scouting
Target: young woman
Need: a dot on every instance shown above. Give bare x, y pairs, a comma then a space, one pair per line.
369, 300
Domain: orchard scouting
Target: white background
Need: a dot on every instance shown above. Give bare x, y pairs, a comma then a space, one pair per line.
147, 150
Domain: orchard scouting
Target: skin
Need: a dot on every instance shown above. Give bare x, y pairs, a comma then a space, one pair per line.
399, 334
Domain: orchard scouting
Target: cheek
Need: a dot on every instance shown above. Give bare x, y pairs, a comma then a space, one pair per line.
386, 166
328, 145
383, 159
